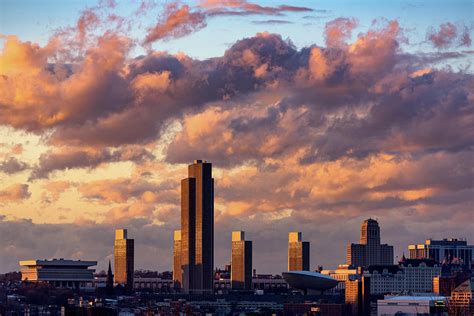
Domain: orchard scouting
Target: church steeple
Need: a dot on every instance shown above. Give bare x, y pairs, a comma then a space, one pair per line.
109, 285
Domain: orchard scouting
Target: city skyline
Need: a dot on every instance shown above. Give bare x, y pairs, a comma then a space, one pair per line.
315, 115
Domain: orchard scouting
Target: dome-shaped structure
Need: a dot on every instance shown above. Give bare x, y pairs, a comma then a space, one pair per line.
306, 280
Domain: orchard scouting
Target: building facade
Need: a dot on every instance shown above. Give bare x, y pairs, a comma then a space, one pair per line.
461, 301
177, 272
446, 250
298, 252
411, 305
369, 251
357, 294
197, 228
124, 256
342, 274
241, 262
59, 272
410, 276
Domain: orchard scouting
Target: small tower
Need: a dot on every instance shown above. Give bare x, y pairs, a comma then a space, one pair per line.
109, 285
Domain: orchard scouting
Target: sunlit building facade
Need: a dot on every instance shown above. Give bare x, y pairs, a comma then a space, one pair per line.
123, 259
75, 274
197, 228
298, 252
241, 264
369, 251
447, 250
177, 273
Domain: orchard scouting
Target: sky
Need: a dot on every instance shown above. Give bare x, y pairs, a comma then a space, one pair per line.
316, 115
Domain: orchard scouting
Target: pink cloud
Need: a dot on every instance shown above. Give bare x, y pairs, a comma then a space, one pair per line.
177, 21
339, 30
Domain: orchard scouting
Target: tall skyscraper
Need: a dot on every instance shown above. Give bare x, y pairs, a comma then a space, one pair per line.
123, 259
177, 273
298, 252
241, 262
197, 229
369, 251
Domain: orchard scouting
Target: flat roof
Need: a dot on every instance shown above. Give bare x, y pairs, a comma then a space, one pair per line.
415, 298
57, 262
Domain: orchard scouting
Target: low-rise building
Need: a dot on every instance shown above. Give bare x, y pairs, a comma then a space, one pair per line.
410, 276
411, 305
59, 272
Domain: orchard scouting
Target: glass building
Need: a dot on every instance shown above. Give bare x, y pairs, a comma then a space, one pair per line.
123, 259
197, 229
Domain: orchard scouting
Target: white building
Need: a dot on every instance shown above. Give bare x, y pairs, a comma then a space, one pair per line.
410, 276
410, 305
59, 272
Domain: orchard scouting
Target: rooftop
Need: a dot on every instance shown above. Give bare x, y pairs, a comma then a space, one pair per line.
57, 262
415, 298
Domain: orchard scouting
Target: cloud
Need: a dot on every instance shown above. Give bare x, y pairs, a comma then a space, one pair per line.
12, 165
177, 21
54, 189
449, 35
444, 37
65, 158
339, 30
14, 193
181, 20
243, 7
123, 189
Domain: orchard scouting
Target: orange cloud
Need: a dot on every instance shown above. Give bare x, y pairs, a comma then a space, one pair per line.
14, 193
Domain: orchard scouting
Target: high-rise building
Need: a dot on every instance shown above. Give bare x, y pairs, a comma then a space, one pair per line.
177, 273
298, 252
197, 228
370, 251
241, 266
447, 250
358, 295
123, 259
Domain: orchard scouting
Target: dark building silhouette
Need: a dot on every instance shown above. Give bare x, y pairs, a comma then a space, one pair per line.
369, 251
298, 252
177, 272
241, 266
123, 259
197, 228
109, 283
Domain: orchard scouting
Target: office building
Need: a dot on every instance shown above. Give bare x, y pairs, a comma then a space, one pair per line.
461, 301
241, 264
177, 272
123, 259
446, 250
369, 251
298, 252
342, 274
197, 228
357, 294
59, 272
